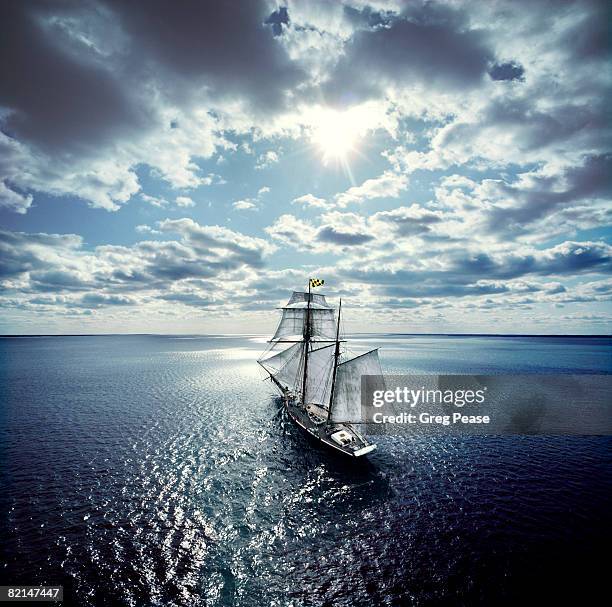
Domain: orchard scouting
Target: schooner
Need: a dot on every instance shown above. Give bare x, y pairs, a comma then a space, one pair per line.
320, 386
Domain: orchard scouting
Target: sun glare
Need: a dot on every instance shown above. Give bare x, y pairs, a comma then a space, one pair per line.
336, 134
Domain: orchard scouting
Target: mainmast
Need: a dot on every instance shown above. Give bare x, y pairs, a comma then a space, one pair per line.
306, 346
336, 357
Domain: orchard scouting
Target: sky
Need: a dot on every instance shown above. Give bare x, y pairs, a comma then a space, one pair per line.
172, 167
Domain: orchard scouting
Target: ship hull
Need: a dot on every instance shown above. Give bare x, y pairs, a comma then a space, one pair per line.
341, 438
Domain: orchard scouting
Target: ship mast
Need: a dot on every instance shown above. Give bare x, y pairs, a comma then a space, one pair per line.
336, 357
306, 346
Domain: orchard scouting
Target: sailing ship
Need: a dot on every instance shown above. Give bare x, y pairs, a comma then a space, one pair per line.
320, 385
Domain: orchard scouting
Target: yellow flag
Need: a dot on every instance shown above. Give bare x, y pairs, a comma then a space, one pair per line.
316, 282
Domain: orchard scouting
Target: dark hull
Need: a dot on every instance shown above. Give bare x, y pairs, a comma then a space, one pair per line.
354, 444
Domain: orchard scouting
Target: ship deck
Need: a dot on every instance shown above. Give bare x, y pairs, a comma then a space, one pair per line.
341, 437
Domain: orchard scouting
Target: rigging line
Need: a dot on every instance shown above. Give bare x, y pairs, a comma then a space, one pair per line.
359, 356
299, 341
323, 348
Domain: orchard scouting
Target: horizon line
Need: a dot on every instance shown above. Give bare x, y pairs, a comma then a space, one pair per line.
8, 335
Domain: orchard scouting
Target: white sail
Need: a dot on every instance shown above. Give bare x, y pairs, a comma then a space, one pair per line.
284, 366
323, 324
287, 368
291, 326
300, 298
347, 392
319, 376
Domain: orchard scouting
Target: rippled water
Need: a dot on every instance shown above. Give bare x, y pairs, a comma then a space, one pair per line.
143, 470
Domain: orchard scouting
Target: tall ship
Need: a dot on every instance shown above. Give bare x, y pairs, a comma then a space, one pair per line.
319, 382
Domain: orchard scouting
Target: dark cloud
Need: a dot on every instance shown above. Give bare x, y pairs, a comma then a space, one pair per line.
57, 100
110, 275
221, 46
58, 280
79, 76
591, 180
401, 302
409, 221
566, 258
433, 288
604, 287
190, 299
484, 274
430, 51
96, 300
342, 237
556, 289
20, 252
507, 71
531, 128
233, 248
589, 38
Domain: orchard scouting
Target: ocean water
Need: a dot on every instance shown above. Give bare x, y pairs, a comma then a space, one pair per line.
159, 470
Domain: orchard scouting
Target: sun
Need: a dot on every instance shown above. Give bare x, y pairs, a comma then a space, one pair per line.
336, 134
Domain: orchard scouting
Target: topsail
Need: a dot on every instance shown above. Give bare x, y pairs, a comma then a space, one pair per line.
291, 327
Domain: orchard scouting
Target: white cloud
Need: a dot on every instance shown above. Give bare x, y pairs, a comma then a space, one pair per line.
245, 205
145, 229
184, 201
266, 159
387, 185
13, 200
154, 200
308, 200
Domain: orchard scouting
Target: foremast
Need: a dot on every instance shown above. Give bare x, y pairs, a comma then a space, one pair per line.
306, 345
336, 358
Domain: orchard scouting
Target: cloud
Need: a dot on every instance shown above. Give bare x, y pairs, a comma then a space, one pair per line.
410, 221
427, 47
292, 232
96, 300
228, 246
113, 275
343, 238
534, 205
191, 47
145, 229
93, 91
266, 159
192, 298
515, 130
251, 204
464, 273
82, 101
14, 200
184, 201
387, 185
344, 229
535, 196
154, 200
308, 200
565, 258
245, 205
27, 252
